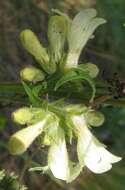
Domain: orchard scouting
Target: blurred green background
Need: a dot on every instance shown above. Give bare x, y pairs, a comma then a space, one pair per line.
107, 50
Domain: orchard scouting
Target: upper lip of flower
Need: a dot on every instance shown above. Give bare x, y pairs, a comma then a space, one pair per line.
94, 154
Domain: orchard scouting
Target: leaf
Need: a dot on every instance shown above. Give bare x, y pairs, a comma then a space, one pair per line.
57, 30
33, 99
37, 89
79, 75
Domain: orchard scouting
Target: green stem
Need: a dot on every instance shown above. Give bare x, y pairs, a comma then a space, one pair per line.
11, 87
17, 89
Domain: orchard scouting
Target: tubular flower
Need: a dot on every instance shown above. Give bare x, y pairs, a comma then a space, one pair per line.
90, 151
58, 157
22, 139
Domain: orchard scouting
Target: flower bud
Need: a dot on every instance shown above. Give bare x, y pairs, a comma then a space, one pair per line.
28, 115
22, 115
32, 74
90, 68
94, 118
31, 43
21, 140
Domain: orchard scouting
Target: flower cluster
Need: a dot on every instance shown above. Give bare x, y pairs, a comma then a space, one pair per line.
62, 31
58, 122
90, 151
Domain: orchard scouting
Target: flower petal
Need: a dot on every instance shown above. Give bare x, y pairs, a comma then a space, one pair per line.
58, 158
109, 157
97, 167
90, 151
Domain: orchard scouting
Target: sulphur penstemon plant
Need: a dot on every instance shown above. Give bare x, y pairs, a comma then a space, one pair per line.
61, 94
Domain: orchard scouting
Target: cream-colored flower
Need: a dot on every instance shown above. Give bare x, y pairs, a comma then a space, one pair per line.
91, 152
58, 157
21, 140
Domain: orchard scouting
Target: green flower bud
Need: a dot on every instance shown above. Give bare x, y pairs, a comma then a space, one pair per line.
94, 118
22, 115
21, 140
31, 43
90, 68
28, 115
32, 74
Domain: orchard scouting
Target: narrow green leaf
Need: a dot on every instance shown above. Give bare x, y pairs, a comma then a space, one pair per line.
80, 75
37, 89
33, 99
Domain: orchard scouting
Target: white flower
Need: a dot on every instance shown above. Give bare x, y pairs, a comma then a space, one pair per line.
80, 31
58, 160
58, 157
91, 152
